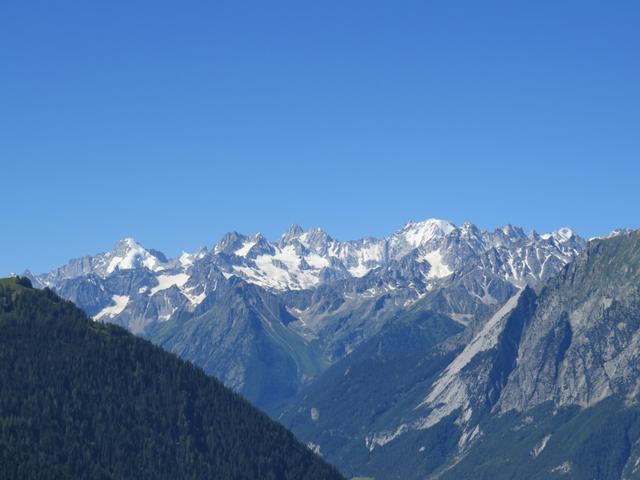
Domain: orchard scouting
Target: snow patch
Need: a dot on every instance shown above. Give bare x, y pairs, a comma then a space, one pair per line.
316, 261
283, 270
537, 450
167, 316
468, 436
315, 414
381, 439
366, 257
111, 311
244, 250
314, 447
564, 467
195, 299
438, 268
186, 259
167, 281
561, 236
359, 271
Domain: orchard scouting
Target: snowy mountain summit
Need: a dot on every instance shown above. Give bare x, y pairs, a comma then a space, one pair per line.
304, 259
143, 286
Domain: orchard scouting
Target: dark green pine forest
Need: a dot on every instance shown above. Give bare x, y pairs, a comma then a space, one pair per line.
80, 399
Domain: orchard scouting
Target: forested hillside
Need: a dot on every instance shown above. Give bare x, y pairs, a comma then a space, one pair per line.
82, 399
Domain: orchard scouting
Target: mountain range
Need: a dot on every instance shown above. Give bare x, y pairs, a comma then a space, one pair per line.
267, 317
409, 356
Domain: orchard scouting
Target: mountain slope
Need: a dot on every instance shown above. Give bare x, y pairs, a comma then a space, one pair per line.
587, 327
81, 399
255, 353
601, 442
366, 390
546, 386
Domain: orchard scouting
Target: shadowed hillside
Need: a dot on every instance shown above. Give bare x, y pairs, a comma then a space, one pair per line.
81, 399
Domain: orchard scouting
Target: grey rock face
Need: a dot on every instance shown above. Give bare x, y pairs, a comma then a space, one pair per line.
583, 344
574, 344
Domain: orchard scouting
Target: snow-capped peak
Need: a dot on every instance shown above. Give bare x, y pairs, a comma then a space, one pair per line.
419, 233
507, 235
305, 259
128, 242
561, 235
129, 254
294, 232
186, 259
316, 240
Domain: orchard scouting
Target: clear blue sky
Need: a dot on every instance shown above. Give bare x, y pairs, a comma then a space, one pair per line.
174, 122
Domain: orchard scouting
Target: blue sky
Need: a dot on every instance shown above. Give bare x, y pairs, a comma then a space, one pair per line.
174, 122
